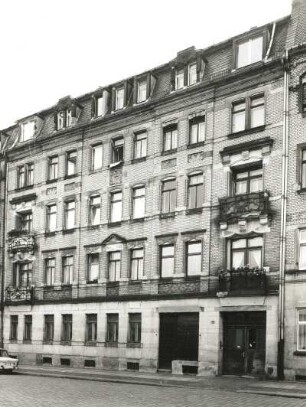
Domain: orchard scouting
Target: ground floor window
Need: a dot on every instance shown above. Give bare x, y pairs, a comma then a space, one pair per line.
27, 333
91, 327
14, 328
67, 328
301, 343
49, 328
134, 328
112, 328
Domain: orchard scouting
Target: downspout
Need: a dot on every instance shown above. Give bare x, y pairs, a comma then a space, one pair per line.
285, 142
80, 215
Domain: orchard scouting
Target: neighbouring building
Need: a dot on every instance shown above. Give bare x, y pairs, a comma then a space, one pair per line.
159, 223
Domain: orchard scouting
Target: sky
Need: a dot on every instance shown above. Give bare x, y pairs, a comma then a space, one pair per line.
51, 49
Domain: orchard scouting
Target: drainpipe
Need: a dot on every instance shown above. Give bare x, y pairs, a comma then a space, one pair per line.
285, 142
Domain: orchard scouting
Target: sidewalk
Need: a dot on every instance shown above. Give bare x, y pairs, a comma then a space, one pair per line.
221, 383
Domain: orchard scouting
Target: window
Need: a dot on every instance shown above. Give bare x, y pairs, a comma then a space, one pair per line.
49, 328
250, 51
302, 254
96, 157
94, 210
27, 131
195, 191
22, 275
93, 267
301, 342
24, 221
136, 264
247, 181
51, 217
67, 270
194, 258
114, 266
303, 93
99, 106
53, 168
91, 327
246, 252
167, 260
14, 328
64, 119
170, 138
116, 206
119, 98
49, 271
118, 150
140, 145
238, 116
112, 328
192, 74
257, 111
197, 130
141, 91
248, 113
71, 160
303, 169
25, 176
179, 79
66, 327
139, 201
69, 215
134, 335
27, 333
168, 196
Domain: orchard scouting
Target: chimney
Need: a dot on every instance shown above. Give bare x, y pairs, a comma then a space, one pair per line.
297, 27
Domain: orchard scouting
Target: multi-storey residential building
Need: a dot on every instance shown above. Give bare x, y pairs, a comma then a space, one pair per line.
147, 223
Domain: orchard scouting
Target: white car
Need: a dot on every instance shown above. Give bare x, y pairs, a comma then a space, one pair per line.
6, 362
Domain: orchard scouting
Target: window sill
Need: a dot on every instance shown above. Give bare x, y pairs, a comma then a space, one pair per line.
138, 160
194, 145
13, 340
114, 224
49, 287
92, 282
194, 210
90, 343
48, 342
50, 181
167, 215
66, 286
67, 231
168, 152
49, 234
133, 345
70, 176
24, 188
301, 191
112, 284
65, 343
26, 341
245, 132
111, 344
115, 165
93, 227
137, 220
299, 353
134, 282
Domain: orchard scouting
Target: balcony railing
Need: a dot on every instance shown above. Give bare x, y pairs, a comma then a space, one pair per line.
20, 241
16, 294
235, 207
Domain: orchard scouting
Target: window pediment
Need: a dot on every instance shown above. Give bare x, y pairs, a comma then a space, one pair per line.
113, 239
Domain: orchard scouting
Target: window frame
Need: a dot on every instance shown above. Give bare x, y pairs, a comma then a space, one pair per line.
92, 156
246, 169
28, 327
135, 320
49, 269
197, 186
167, 192
49, 214
94, 206
143, 81
23, 126
246, 249
112, 320
110, 262
91, 328
28, 175
173, 130
248, 108
71, 161
161, 257
197, 121
66, 214
303, 168
299, 325
143, 136
115, 155
48, 322
64, 118
67, 269
301, 244
53, 168
112, 203
117, 90
24, 221
67, 334
90, 262
136, 199
139, 264
187, 244
13, 328
247, 39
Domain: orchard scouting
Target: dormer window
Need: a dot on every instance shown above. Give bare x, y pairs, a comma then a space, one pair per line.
249, 51
119, 98
27, 130
192, 74
187, 70
141, 90
99, 106
64, 119
179, 79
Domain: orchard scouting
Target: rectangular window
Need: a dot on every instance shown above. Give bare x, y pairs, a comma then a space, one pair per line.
302, 254
112, 328
195, 191
64, 119
49, 328
194, 258
140, 145
93, 267
167, 261
246, 252
25, 275
27, 333
114, 266
257, 111
136, 264
99, 106
94, 210
71, 161
96, 157
27, 131
51, 217
247, 181
25, 176
168, 196
119, 98
192, 74
118, 150
250, 51
66, 328
67, 277
238, 116
248, 113
69, 214
303, 169
53, 168
116, 206
179, 79
91, 327
134, 335
49, 271
197, 130
139, 202
301, 342
24, 221
170, 138
141, 91
14, 328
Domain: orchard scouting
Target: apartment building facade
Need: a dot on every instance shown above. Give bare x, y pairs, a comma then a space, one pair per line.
143, 221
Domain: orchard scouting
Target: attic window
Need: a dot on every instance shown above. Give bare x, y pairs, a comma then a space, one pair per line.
119, 98
249, 51
141, 90
179, 79
27, 130
64, 119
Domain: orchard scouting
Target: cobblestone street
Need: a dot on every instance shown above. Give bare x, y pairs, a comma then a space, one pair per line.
27, 391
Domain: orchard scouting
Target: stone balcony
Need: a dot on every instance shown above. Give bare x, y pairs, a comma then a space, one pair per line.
21, 241
19, 294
